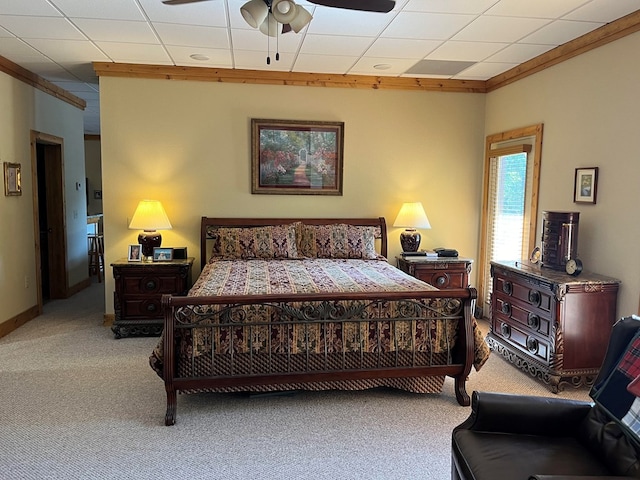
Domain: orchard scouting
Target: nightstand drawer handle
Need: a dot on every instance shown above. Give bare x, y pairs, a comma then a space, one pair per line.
532, 345
534, 297
506, 308
441, 280
150, 285
505, 330
507, 287
533, 321
152, 307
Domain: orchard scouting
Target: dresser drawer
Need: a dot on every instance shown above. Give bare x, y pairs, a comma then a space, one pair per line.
528, 295
528, 318
522, 338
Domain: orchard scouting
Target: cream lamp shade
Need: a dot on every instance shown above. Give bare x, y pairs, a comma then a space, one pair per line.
149, 217
411, 216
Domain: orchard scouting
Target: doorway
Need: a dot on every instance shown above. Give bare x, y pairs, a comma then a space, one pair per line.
47, 169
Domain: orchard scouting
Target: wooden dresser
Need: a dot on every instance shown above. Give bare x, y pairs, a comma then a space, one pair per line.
550, 324
139, 287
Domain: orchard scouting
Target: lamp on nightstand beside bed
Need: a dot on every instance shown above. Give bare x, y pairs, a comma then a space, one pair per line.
149, 217
411, 216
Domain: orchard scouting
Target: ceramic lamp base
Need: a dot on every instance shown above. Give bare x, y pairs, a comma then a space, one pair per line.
410, 240
149, 241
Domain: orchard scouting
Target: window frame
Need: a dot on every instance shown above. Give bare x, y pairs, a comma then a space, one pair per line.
491, 140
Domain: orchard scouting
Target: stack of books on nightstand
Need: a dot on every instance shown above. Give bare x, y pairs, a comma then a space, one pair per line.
420, 253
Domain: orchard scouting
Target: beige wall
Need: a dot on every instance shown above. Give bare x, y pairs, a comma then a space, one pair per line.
188, 145
590, 108
22, 109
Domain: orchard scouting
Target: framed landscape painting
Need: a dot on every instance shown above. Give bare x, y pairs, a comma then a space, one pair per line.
585, 187
296, 157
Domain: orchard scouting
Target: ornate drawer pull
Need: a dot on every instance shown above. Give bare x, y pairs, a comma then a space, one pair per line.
532, 345
152, 307
441, 280
534, 297
533, 321
506, 308
150, 285
505, 330
507, 287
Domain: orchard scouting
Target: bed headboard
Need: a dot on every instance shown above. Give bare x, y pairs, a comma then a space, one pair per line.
261, 222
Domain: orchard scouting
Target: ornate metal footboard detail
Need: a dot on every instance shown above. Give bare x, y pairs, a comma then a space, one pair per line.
279, 341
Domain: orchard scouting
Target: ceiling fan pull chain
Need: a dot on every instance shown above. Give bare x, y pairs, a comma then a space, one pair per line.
268, 45
277, 44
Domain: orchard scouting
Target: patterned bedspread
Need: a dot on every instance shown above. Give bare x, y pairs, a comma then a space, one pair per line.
295, 276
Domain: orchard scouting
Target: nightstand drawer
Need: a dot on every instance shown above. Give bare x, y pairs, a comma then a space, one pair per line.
441, 272
142, 307
153, 284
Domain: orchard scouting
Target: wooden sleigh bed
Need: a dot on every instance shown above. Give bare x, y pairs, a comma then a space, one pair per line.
311, 304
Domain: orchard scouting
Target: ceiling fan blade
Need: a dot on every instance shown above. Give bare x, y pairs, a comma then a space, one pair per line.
180, 2
382, 6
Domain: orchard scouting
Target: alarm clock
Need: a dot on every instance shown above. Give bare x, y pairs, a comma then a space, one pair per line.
573, 267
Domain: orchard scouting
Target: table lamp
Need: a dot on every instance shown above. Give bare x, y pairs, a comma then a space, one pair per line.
149, 217
411, 216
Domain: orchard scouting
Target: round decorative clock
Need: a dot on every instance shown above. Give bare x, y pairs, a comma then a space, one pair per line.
536, 255
573, 267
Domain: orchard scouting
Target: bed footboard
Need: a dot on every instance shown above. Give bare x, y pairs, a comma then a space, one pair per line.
224, 342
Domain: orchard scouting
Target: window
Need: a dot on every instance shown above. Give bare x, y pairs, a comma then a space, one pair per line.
512, 168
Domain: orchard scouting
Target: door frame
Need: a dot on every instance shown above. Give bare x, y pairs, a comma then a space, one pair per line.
55, 204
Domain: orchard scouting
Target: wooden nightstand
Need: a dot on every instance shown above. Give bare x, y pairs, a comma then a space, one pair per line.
139, 290
441, 272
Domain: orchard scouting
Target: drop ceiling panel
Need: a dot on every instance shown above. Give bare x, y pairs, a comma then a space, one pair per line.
427, 26
467, 51
499, 29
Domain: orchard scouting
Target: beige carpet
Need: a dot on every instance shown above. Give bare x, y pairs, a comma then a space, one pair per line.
77, 404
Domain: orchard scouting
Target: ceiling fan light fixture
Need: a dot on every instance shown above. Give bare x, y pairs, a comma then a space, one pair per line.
254, 12
301, 20
269, 26
284, 11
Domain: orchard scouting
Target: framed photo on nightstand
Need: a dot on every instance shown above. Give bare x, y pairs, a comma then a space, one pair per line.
162, 254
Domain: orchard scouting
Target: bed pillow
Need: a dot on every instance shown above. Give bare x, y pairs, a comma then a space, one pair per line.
273, 241
337, 241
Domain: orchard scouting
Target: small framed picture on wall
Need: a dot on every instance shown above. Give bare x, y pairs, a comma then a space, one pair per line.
585, 185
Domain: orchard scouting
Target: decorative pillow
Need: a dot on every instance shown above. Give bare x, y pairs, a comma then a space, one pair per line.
337, 241
274, 241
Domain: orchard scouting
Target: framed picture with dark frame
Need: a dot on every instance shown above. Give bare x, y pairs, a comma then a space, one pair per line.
296, 157
585, 186
162, 254
12, 179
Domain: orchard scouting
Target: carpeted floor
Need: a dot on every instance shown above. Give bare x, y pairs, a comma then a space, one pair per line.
78, 404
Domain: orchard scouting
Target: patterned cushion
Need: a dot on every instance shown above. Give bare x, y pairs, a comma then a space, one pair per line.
337, 241
275, 241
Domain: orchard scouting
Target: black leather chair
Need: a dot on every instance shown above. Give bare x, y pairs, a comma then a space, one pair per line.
519, 437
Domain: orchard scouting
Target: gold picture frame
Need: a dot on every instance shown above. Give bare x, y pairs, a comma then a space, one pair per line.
296, 157
12, 179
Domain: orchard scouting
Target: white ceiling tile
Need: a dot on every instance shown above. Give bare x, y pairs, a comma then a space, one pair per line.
518, 53
323, 63
484, 71
40, 27
337, 21
68, 50
499, 29
14, 48
112, 9
426, 26
212, 14
560, 32
28, 7
604, 11
448, 6
335, 45
128, 31
537, 9
192, 35
254, 40
220, 58
366, 66
134, 52
467, 51
254, 60
403, 47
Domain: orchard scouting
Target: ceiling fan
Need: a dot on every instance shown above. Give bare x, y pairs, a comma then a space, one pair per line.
266, 14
